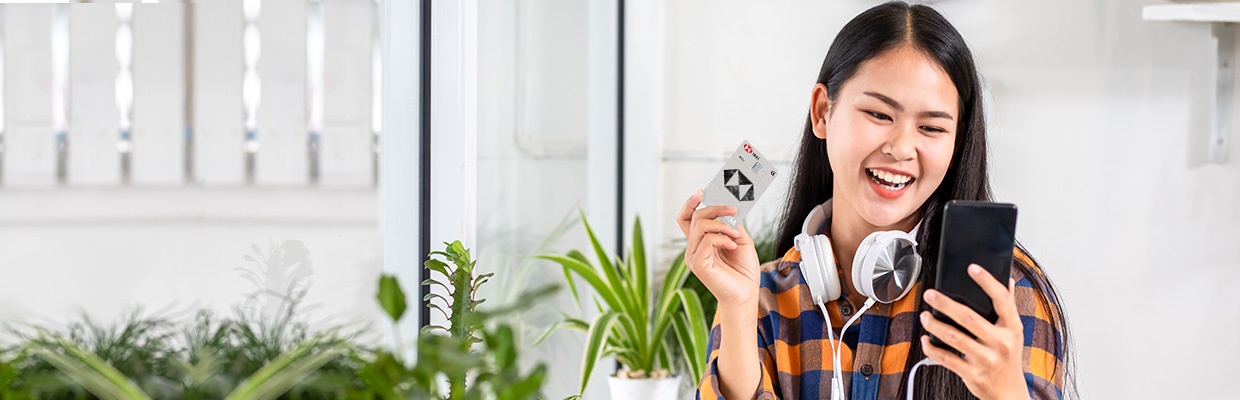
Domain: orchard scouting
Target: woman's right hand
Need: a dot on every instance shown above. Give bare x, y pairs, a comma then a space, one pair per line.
724, 259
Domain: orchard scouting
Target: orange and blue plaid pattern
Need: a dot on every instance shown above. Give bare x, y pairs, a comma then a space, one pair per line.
796, 360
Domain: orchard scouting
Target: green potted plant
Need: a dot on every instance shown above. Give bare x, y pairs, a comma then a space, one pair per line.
634, 323
478, 361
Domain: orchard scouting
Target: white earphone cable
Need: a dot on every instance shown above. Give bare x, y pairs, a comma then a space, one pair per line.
830, 340
912, 373
839, 374
837, 377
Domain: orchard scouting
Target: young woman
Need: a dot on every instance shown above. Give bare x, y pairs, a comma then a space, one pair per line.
895, 130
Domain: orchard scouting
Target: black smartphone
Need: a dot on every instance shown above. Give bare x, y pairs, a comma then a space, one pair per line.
974, 232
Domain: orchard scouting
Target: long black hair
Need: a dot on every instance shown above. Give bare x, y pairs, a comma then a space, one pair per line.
871, 33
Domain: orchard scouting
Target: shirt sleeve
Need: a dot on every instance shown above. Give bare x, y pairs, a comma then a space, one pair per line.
1042, 355
708, 388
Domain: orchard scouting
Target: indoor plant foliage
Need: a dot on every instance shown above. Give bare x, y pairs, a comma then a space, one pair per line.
478, 362
254, 358
634, 322
148, 358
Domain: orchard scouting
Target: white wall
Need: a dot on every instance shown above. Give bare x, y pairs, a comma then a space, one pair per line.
95, 246
1097, 134
68, 253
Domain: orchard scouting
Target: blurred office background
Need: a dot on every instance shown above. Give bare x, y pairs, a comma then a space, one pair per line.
148, 149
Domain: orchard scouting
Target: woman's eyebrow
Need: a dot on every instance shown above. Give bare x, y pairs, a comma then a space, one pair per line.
895, 104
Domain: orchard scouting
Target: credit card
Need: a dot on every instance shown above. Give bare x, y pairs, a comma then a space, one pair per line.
740, 183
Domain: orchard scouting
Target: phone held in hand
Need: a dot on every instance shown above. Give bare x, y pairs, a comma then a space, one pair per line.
974, 232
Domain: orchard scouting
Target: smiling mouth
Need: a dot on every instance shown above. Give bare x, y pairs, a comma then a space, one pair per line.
889, 181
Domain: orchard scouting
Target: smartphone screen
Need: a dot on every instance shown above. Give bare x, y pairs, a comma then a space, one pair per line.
974, 232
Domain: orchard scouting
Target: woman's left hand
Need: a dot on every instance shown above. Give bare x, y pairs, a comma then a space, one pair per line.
991, 366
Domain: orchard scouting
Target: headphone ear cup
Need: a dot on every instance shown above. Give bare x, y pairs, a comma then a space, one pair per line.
831, 276
863, 277
810, 271
868, 259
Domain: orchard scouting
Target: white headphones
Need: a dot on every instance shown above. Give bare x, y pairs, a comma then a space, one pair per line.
884, 270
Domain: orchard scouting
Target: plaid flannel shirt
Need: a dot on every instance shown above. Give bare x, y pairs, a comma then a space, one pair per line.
796, 360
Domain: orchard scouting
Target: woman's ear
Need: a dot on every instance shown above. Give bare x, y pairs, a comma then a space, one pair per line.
819, 110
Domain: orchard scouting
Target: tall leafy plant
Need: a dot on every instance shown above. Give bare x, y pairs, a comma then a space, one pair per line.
462, 286
465, 351
633, 322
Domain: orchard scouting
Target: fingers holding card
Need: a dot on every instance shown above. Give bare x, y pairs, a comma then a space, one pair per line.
722, 255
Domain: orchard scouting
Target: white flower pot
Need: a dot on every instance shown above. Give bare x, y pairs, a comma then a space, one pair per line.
644, 389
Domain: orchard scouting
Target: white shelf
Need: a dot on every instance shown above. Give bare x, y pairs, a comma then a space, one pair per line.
1222, 16
1193, 12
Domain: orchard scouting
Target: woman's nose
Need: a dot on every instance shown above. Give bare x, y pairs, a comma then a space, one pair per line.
902, 144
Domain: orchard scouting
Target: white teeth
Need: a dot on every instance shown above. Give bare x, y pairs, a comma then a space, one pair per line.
890, 177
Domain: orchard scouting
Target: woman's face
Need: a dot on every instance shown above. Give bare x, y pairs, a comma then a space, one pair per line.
890, 135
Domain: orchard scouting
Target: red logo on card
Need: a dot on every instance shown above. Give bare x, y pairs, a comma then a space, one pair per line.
748, 149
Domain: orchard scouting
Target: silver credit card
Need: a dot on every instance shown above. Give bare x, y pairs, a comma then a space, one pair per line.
740, 183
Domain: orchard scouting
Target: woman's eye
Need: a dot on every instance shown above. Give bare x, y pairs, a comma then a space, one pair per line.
932, 129
879, 115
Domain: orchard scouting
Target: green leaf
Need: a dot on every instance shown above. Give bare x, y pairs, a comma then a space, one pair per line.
383, 377
639, 315
667, 295
666, 303
693, 311
638, 258
686, 344
591, 276
631, 334
287, 370
526, 388
482, 278
503, 347
572, 285
391, 297
666, 357
675, 279
663, 322
437, 307
432, 281
572, 323
426, 330
692, 332
430, 296
458, 250
626, 298
579, 256
603, 259
596, 340
88, 370
568, 276
437, 266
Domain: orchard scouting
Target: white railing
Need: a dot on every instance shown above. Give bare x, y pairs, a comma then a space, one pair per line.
99, 95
